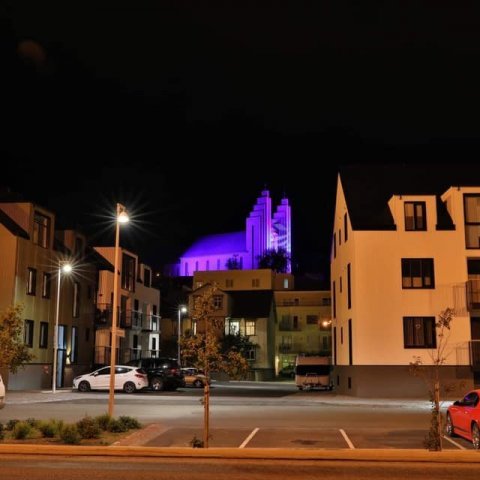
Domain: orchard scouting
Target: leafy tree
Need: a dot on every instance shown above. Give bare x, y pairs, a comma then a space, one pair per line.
204, 350
277, 260
13, 351
431, 375
233, 263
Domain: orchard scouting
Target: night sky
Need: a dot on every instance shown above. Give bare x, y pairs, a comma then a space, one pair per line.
126, 96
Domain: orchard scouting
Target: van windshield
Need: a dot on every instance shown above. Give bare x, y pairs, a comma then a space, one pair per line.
313, 369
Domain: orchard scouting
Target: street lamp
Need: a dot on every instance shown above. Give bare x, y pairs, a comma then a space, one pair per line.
181, 309
64, 267
121, 217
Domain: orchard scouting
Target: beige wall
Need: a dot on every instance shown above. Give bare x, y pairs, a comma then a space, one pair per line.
8, 259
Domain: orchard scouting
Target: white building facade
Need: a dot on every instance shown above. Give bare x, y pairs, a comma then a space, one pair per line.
399, 259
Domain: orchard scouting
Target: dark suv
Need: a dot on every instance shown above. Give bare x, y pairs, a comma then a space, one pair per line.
163, 373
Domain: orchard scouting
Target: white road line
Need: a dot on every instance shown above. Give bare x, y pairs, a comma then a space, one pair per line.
345, 436
455, 443
249, 438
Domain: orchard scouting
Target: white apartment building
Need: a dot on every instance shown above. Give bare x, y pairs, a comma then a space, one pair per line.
406, 246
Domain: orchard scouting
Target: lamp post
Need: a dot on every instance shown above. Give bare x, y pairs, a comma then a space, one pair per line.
181, 309
121, 217
66, 268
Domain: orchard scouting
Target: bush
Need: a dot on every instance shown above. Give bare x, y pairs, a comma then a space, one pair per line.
103, 421
11, 424
130, 422
21, 430
70, 435
88, 428
49, 428
116, 426
2, 431
34, 423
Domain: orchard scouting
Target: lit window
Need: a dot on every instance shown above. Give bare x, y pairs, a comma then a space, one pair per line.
250, 327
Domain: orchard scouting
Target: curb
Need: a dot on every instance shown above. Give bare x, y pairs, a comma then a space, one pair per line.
366, 455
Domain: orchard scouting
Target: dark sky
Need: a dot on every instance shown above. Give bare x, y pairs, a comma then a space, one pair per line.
126, 96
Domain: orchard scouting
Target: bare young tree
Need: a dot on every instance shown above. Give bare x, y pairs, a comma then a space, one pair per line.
431, 374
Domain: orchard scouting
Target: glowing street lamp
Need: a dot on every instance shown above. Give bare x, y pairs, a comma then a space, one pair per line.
64, 267
121, 218
181, 309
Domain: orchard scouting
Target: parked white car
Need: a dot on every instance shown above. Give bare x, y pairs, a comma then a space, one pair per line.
2, 393
128, 379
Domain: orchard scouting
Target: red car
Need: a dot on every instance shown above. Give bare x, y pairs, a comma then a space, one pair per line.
463, 418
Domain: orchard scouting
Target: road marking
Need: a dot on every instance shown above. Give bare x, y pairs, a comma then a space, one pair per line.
455, 443
345, 436
249, 438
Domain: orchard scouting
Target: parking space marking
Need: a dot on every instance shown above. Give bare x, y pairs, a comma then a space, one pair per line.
252, 434
455, 443
345, 436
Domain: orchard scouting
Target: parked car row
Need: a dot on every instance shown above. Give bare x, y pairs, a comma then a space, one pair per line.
155, 373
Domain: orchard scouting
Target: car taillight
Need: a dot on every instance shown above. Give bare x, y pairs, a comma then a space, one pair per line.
140, 375
173, 371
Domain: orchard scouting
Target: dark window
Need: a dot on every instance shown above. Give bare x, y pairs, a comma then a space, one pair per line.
335, 345
417, 273
334, 245
79, 247
345, 226
339, 237
349, 382
349, 285
43, 340
419, 332
41, 229
28, 333
415, 218
87, 334
472, 220
350, 357
76, 300
128, 273
341, 285
312, 319
147, 277
74, 346
341, 335
295, 322
46, 284
31, 281
217, 302
334, 300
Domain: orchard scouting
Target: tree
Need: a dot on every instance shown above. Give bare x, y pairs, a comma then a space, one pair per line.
233, 263
204, 350
13, 351
431, 375
277, 260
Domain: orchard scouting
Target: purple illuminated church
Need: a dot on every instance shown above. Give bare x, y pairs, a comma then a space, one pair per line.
241, 250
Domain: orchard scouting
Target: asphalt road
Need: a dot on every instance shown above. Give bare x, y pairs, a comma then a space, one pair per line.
248, 415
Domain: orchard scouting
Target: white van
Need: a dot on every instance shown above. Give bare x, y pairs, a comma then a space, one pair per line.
313, 372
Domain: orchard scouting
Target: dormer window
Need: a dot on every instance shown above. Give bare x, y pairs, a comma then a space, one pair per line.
41, 229
415, 216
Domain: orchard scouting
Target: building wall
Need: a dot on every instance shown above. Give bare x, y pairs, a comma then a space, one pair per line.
379, 303
8, 259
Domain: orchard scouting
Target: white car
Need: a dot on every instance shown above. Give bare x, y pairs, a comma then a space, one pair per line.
128, 379
2, 393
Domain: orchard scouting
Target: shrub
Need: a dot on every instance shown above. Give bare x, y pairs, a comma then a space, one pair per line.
2, 432
103, 421
11, 424
33, 422
130, 422
116, 426
49, 428
70, 435
88, 428
196, 442
21, 430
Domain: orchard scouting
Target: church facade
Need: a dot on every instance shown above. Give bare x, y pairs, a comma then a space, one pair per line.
264, 230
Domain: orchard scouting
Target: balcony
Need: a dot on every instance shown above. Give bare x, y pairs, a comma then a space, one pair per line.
151, 323
474, 352
289, 348
288, 327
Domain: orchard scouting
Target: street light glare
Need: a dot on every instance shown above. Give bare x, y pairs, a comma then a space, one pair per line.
67, 268
183, 309
123, 217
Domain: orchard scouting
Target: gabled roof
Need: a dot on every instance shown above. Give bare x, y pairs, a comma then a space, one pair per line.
13, 227
251, 304
220, 243
368, 188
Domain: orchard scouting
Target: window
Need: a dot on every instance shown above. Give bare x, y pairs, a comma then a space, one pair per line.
31, 281
326, 302
250, 327
472, 220
186, 269
417, 273
28, 333
74, 346
250, 354
87, 334
43, 340
285, 283
41, 229
46, 284
207, 265
334, 245
147, 277
196, 266
128, 273
234, 327
349, 285
218, 302
218, 264
255, 282
79, 247
312, 319
345, 226
76, 300
295, 322
415, 216
229, 283
339, 237
419, 332
341, 285
334, 300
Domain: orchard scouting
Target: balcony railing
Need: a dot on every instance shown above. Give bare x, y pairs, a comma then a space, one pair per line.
135, 319
152, 323
288, 327
124, 355
304, 303
474, 350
